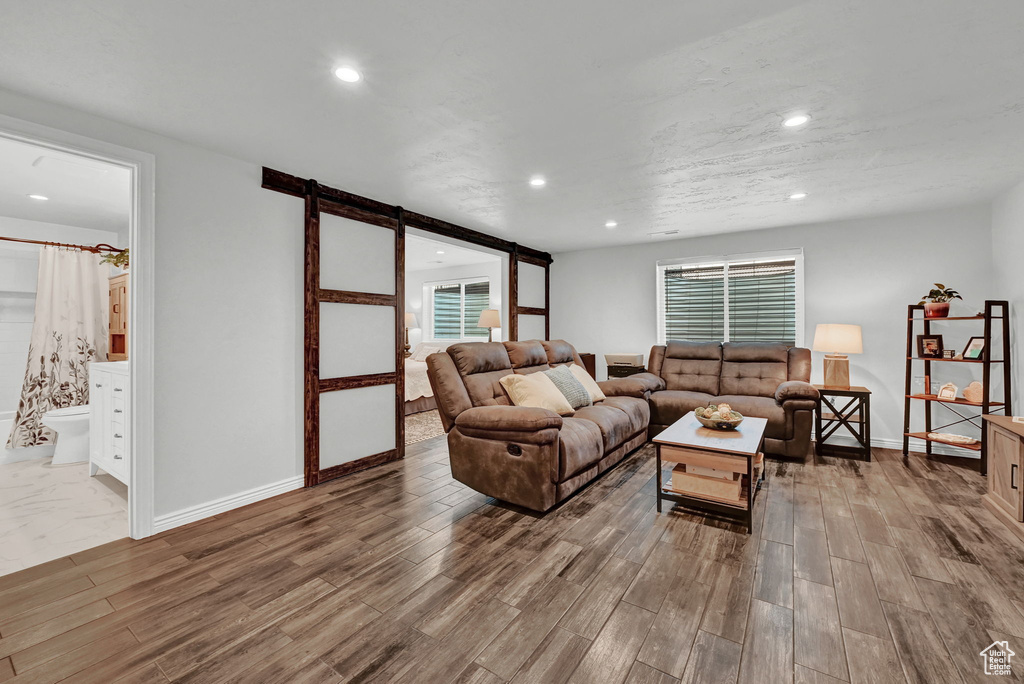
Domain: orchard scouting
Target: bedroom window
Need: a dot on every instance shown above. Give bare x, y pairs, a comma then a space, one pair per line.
455, 308
740, 298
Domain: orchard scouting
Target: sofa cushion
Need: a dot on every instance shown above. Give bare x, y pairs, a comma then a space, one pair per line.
668, 406
637, 411
559, 352
754, 368
479, 357
614, 424
692, 366
529, 353
760, 407
580, 445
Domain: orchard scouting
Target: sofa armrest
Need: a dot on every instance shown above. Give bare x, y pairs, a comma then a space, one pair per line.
508, 419
796, 390
634, 386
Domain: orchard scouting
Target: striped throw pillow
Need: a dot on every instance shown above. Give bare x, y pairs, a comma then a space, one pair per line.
573, 390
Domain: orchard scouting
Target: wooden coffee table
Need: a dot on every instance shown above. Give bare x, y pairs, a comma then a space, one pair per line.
711, 458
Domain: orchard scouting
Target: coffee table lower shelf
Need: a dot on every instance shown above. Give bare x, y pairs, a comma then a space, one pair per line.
741, 511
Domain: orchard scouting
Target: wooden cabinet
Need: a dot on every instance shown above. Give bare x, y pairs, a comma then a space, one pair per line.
109, 423
1005, 496
118, 328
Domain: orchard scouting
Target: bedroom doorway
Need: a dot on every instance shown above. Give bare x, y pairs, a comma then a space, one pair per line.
454, 292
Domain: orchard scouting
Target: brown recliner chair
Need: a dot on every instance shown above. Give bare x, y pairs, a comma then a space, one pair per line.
766, 380
530, 456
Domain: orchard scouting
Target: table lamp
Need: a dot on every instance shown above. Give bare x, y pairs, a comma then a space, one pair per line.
490, 319
410, 322
837, 340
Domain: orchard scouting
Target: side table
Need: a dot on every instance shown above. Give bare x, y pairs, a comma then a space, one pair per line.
846, 408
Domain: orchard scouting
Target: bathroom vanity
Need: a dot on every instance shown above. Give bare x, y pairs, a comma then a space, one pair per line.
109, 422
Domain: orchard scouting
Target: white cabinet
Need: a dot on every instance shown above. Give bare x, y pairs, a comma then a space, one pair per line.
109, 419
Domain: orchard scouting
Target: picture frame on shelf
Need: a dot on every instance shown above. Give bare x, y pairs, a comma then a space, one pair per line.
929, 346
949, 353
948, 391
975, 349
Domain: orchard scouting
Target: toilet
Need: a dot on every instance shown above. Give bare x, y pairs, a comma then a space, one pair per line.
72, 427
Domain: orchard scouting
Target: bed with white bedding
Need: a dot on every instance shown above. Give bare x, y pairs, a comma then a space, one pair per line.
418, 395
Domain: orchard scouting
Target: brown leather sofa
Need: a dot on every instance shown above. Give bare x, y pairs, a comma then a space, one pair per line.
530, 456
757, 379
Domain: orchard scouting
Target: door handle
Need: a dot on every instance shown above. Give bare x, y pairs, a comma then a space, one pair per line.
118, 389
1013, 476
117, 436
117, 458
98, 385
117, 411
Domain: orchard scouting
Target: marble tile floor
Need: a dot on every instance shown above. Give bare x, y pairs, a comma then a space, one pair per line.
48, 511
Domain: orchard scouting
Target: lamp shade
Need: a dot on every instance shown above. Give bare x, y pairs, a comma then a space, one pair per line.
839, 338
489, 318
410, 320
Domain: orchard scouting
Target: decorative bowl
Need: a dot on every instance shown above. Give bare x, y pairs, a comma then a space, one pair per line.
704, 416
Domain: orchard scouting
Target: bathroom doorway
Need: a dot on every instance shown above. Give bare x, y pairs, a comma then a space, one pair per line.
68, 221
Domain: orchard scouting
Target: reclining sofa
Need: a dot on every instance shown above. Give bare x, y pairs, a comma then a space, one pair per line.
757, 379
531, 457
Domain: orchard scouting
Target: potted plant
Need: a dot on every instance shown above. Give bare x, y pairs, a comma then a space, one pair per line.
118, 259
936, 302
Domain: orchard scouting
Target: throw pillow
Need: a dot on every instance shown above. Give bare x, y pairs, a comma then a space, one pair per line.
535, 390
575, 393
588, 382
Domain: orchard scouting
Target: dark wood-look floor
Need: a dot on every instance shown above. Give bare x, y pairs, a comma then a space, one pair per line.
860, 572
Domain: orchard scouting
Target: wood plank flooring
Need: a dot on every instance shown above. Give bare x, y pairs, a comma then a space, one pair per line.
886, 571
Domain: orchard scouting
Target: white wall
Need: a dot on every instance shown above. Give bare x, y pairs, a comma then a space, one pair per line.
19, 264
1008, 262
414, 280
228, 315
864, 272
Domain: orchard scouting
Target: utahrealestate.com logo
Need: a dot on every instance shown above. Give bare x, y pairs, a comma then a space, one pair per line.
997, 658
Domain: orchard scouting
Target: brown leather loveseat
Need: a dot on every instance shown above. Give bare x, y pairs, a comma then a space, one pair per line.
530, 456
757, 379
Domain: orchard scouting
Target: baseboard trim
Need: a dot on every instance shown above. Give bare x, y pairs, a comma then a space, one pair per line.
185, 516
917, 446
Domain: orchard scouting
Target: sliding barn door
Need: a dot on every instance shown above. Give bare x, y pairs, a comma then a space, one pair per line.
354, 409
529, 291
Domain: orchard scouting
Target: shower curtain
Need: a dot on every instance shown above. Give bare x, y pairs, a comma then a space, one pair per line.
69, 331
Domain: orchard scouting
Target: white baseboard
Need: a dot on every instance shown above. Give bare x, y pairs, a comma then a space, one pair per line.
227, 503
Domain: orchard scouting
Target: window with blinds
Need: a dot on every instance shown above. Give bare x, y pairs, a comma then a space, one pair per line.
733, 300
456, 309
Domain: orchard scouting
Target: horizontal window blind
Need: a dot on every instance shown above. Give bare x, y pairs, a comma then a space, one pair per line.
732, 301
447, 311
762, 302
478, 298
695, 303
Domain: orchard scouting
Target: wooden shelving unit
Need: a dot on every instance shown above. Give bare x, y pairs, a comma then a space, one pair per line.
996, 312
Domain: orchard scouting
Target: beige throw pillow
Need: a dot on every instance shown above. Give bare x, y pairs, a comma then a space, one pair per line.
588, 383
536, 390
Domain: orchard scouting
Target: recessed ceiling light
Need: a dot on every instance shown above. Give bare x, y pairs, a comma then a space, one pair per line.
538, 182
348, 74
440, 251
798, 195
39, 197
610, 224
796, 120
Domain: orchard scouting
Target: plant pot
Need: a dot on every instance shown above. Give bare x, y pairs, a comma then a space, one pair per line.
936, 309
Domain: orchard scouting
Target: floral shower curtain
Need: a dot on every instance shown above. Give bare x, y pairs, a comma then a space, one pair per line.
69, 331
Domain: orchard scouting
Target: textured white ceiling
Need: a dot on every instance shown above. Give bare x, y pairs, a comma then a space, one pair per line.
82, 192
659, 115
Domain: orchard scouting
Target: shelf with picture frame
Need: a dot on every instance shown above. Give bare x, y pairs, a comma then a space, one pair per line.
925, 347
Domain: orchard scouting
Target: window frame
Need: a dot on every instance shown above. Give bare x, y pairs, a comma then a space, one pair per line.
796, 254
428, 304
